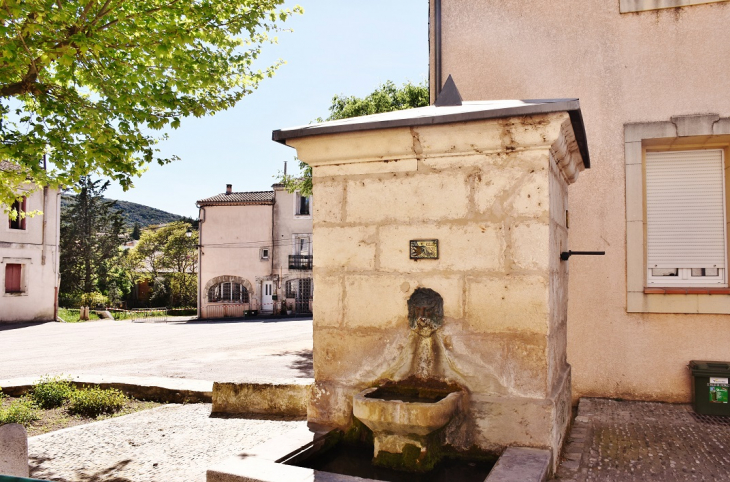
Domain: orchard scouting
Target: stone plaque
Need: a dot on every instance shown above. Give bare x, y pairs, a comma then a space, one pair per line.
424, 249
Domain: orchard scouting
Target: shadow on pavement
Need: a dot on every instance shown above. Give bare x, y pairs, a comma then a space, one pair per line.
25, 324
303, 363
249, 319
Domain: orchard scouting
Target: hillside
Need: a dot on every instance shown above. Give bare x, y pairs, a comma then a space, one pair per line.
134, 213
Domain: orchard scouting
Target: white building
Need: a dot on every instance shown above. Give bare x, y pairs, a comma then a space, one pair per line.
29, 258
255, 253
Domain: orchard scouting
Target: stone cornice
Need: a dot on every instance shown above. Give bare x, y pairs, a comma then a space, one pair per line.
566, 154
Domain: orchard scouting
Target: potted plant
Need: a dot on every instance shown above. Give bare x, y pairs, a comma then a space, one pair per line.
289, 308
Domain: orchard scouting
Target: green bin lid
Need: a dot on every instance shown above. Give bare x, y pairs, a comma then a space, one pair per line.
699, 367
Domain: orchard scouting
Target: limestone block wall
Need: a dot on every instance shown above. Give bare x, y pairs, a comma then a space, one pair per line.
494, 193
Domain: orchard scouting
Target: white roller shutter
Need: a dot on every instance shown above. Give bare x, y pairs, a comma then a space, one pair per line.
685, 209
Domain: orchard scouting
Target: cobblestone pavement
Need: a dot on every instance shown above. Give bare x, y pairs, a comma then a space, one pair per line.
642, 441
173, 443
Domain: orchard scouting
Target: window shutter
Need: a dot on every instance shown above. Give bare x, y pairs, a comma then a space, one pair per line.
685, 209
12, 278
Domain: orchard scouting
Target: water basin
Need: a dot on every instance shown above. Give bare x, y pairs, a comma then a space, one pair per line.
356, 461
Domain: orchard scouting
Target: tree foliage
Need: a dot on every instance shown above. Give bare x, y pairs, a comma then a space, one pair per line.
169, 258
91, 233
136, 232
89, 82
386, 98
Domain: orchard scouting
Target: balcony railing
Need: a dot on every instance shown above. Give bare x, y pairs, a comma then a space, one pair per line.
300, 261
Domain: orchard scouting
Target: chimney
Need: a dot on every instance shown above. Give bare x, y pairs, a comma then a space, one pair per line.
229, 188
284, 168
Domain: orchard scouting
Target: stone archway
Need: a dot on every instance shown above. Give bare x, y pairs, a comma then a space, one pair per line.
228, 279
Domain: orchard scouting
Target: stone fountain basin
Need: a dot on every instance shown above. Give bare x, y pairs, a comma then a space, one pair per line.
391, 415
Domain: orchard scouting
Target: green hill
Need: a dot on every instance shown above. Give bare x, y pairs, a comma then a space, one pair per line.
133, 212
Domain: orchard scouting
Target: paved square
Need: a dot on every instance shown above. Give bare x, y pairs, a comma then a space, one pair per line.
213, 351
642, 441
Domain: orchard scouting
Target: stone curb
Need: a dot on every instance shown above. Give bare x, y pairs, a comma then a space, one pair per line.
581, 432
14, 450
288, 397
520, 464
158, 389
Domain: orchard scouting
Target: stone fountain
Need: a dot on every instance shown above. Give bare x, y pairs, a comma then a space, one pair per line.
440, 305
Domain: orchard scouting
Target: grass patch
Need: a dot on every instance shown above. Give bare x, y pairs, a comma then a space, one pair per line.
21, 410
73, 316
55, 403
95, 401
52, 392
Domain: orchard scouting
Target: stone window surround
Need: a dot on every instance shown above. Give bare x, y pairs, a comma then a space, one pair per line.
24, 262
628, 6
227, 279
680, 133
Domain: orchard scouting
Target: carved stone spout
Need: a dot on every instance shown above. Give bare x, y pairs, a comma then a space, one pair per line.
425, 311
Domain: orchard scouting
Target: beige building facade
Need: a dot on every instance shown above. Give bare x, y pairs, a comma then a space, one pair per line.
255, 251
652, 79
29, 263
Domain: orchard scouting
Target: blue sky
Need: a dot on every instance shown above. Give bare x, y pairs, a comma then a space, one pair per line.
337, 47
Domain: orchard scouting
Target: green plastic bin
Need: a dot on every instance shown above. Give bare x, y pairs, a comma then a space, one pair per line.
710, 387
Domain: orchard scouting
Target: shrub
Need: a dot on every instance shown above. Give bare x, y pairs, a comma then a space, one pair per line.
22, 411
95, 401
52, 392
94, 299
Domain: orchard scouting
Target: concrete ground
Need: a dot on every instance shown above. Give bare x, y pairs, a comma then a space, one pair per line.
214, 351
173, 443
643, 441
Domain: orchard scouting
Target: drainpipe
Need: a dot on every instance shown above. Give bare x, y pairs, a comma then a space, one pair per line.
201, 220
437, 49
56, 255
45, 225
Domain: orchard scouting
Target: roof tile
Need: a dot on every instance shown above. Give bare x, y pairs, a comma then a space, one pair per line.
254, 197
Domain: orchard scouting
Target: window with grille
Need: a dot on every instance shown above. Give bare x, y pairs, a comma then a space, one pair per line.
228, 292
19, 221
686, 241
13, 278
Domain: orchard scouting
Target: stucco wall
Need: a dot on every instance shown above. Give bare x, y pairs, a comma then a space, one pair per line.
26, 247
493, 195
625, 68
287, 224
231, 238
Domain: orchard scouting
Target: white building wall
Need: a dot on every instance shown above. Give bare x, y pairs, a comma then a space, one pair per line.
38, 253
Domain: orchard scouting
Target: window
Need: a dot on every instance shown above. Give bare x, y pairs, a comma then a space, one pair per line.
302, 205
676, 204
228, 293
18, 222
627, 6
685, 218
264, 253
13, 278
301, 244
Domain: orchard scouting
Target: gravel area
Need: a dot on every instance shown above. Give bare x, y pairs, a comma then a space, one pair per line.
171, 443
644, 441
